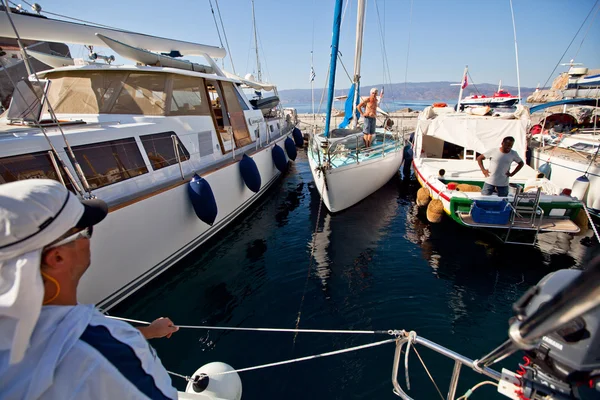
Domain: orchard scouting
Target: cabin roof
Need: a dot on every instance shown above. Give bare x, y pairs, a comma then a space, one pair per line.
138, 68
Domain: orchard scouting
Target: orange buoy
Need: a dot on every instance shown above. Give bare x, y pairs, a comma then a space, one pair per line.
423, 197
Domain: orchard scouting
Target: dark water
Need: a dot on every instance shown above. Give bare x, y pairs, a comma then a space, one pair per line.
378, 265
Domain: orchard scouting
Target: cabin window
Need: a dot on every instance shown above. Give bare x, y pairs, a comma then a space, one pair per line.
159, 148
84, 92
271, 128
110, 162
241, 100
29, 166
188, 96
142, 93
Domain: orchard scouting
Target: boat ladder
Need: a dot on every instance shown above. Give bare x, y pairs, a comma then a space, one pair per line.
526, 214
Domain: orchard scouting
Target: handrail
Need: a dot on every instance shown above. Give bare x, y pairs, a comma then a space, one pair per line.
177, 155
459, 360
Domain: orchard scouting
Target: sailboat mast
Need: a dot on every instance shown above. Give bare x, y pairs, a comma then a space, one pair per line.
516, 51
258, 71
360, 22
335, 41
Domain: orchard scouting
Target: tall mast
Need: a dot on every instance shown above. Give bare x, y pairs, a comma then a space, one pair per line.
516, 51
335, 41
258, 71
360, 21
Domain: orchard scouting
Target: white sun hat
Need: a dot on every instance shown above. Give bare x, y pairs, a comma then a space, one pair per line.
33, 214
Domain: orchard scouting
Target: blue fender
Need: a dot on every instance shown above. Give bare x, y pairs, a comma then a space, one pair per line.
298, 138
545, 169
250, 173
203, 199
279, 158
290, 148
408, 153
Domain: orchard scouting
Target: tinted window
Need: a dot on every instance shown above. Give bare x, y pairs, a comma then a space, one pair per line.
29, 166
110, 162
241, 99
142, 94
159, 148
188, 97
84, 92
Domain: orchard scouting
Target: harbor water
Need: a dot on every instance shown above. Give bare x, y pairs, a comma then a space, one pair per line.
376, 266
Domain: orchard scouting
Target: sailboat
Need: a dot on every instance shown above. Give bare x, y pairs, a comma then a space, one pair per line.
345, 171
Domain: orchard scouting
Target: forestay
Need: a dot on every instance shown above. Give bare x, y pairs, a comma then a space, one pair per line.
474, 132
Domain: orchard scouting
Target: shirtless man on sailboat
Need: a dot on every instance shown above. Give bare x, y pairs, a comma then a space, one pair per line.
370, 113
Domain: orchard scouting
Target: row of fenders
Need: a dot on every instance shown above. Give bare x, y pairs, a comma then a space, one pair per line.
201, 194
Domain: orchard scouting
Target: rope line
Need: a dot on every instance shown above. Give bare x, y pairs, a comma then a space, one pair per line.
233, 328
310, 262
295, 360
428, 373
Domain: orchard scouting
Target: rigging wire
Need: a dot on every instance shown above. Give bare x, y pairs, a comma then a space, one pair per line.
586, 33
385, 62
217, 27
572, 40
473, 82
67, 17
225, 35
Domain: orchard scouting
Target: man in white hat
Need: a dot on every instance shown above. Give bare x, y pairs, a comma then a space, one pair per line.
368, 109
64, 349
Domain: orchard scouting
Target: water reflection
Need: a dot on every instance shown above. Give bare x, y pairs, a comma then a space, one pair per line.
485, 273
344, 243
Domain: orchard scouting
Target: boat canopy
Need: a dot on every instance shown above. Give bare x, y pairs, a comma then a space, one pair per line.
474, 132
579, 102
251, 84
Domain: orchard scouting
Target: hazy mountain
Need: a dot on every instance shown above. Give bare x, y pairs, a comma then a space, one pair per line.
410, 91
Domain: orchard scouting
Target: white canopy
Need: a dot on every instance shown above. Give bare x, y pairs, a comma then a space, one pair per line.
475, 132
251, 84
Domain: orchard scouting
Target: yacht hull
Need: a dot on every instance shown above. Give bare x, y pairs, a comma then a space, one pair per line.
138, 241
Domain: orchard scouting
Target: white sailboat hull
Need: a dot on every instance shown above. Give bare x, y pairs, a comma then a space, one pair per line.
346, 186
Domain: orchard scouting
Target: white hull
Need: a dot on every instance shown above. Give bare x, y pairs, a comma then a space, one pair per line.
350, 184
565, 172
158, 231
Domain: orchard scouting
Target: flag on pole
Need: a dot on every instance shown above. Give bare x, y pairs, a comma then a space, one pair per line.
312, 74
465, 83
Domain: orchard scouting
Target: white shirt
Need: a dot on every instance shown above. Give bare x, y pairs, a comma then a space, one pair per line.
499, 165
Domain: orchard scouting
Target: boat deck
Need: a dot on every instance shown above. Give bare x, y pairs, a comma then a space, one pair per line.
468, 170
548, 224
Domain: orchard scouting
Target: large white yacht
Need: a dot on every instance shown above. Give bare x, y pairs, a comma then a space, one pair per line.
176, 153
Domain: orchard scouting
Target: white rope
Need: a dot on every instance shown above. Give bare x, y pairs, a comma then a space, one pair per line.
591, 221
295, 360
231, 328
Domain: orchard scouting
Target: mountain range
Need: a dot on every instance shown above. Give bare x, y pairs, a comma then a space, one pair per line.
409, 91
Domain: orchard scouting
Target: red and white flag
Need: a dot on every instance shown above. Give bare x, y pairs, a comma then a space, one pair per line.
465, 83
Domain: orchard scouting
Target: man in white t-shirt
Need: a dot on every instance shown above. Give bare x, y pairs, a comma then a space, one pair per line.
498, 171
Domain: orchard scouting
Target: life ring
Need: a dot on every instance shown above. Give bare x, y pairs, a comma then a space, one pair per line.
439, 105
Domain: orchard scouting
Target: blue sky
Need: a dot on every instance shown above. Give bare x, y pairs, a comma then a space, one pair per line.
445, 35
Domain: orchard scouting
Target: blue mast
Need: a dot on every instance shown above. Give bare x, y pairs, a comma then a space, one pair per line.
335, 41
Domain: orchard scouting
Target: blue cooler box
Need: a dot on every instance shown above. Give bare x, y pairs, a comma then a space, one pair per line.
490, 212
